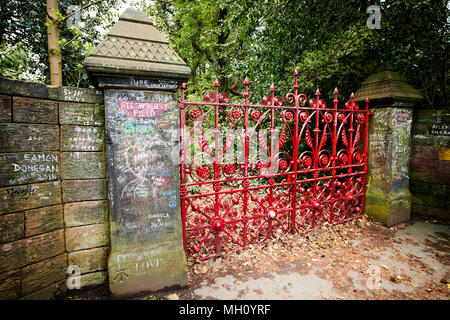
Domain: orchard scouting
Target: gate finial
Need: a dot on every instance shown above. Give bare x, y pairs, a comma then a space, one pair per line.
295, 80
336, 92
246, 93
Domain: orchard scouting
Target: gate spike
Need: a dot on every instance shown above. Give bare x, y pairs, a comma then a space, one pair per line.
217, 83
272, 88
246, 84
295, 79
336, 92
183, 88
317, 92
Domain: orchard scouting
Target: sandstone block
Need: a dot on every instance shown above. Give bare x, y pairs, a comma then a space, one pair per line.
42, 274
17, 254
10, 285
43, 220
29, 196
86, 237
84, 213
81, 190
82, 138
5, 108
81, 114
90, 260
83, 165
28, 167
11, 227
33, 110
16, 137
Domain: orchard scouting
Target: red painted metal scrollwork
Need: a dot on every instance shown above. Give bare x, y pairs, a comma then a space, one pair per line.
249, 171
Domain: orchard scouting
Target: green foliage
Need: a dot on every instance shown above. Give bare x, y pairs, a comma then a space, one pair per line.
13, 61
328, 41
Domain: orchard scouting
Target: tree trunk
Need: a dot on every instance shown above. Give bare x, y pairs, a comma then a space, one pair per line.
54, 51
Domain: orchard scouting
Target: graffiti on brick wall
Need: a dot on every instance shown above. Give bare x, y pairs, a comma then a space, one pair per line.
438, 123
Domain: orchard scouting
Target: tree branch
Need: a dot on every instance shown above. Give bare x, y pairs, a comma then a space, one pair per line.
53, 18
233, 88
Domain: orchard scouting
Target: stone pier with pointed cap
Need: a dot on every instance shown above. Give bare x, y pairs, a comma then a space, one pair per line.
139, 74
388, 198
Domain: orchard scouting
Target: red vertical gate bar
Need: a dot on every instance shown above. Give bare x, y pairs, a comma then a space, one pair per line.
272, 152
334, 140
366, 142
350, 150
316, 153
216, 160
183, 190
246, 153
295, 154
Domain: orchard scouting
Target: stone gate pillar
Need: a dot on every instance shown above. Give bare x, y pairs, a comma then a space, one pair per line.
139, 74
388, 198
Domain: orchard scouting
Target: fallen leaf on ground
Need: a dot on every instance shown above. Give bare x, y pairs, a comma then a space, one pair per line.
173, 296
325, 296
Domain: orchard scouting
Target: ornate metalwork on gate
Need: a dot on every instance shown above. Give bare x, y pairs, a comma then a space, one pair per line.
250, 171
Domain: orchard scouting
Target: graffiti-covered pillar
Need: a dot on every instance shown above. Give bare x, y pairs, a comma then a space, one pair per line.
388, 198
139, 74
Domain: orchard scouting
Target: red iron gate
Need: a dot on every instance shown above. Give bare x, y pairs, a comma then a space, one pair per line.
249, 171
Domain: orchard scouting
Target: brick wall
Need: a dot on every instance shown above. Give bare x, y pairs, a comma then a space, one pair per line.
430, 163
53, 207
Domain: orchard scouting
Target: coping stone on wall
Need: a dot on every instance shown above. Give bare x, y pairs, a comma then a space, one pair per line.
23, 88
82, 95
38, 90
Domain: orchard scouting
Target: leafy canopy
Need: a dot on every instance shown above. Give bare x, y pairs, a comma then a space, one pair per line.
328, 41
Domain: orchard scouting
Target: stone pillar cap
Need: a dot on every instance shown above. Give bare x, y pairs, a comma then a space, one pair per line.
387, 85
134, 47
